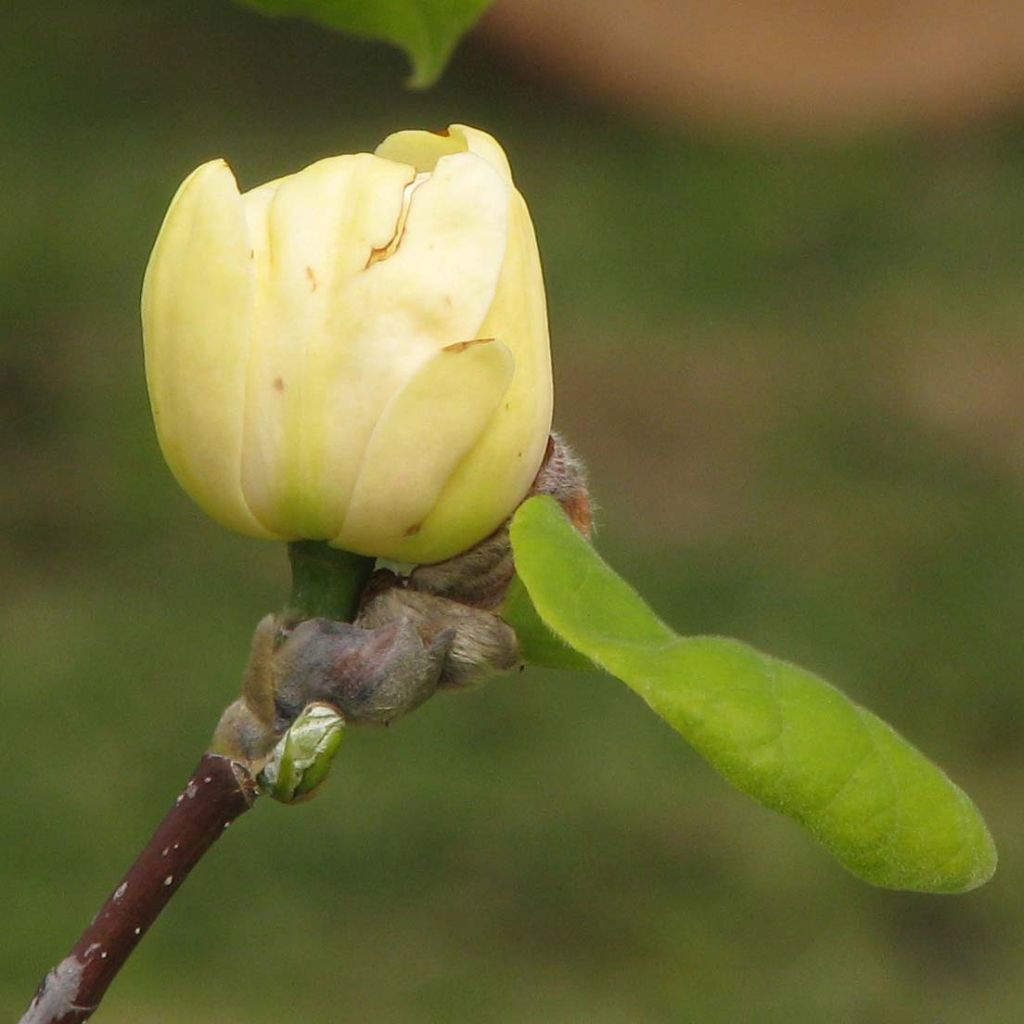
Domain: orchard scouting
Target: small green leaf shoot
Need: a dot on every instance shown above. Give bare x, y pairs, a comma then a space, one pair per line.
303, 756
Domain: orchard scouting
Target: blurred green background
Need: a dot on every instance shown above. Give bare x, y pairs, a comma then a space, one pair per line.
794, 366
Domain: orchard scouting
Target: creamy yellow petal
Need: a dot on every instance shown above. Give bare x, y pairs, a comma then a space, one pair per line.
423, 434
197, 302
311, 404
420, 149
495, 476
485, 146
423, 149
438, 284
380, 325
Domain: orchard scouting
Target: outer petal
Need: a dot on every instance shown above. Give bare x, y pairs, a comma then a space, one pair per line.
480, 495
423, 434
197, 302
439, 282
312, 401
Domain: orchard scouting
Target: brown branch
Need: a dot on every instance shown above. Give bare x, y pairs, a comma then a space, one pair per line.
219, 791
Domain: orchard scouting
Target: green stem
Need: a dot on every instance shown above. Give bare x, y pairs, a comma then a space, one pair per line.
326, 582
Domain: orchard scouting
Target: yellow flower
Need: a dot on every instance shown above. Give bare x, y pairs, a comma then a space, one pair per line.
355, 353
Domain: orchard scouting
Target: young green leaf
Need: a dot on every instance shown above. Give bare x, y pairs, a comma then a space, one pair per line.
426, 29
777, 732
537, 644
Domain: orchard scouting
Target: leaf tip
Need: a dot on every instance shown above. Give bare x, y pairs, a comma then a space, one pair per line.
424, 72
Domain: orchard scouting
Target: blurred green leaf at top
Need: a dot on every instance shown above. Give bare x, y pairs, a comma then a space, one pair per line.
426, 29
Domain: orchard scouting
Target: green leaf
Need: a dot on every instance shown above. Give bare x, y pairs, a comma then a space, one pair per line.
426, 29
537, 644
777, 732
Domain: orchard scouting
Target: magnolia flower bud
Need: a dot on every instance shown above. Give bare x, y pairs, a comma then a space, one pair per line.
355, 353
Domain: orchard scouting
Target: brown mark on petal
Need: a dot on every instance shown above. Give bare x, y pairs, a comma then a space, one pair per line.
311, 277
389, 249
377, 255
443, 132
461, 346
278, 384
413, 530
